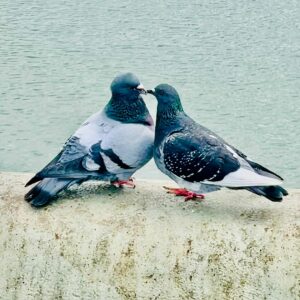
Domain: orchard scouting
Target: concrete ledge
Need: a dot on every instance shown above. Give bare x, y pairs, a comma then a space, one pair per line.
98, 242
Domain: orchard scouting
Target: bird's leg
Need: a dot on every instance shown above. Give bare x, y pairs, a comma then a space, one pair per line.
120, 183
183, 192
194, 196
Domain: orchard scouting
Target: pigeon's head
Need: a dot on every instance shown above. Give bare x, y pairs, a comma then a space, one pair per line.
127, 84
165, 94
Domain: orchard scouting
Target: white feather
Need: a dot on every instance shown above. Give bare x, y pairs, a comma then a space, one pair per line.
89, 164
245, 177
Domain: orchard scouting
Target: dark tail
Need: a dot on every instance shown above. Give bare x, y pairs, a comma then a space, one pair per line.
42, 193
261, 170
273, 193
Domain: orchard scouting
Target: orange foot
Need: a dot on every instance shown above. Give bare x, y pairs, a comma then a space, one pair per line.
183, 192
121, 183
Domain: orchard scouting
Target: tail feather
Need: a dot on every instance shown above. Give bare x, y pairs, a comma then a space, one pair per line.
34, 179
261, 170
273, 193
42, 193
39, 176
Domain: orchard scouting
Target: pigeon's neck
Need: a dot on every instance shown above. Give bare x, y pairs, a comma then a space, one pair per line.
167, 119
167, 114
128, 110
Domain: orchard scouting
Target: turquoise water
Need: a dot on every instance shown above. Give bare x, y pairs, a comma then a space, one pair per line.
235, 63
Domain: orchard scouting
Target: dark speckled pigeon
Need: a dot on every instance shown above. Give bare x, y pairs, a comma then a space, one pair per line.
110, 145
199, 160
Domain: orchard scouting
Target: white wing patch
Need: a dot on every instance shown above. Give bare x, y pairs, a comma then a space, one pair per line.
244, 177
90, 165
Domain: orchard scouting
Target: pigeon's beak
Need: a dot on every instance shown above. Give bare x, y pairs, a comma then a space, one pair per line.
141, 88
152, 92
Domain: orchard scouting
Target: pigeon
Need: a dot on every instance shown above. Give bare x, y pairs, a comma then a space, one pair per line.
200, 161
109, 146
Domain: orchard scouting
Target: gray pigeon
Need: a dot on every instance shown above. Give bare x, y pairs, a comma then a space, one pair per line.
110, 145
199, 160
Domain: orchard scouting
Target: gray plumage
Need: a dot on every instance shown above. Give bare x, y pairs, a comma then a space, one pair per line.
201, 161
110, 145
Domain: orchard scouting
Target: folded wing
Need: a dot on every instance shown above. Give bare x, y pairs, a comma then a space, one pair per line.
206, 159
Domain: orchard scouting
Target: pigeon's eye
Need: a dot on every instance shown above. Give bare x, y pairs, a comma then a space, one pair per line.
161, 92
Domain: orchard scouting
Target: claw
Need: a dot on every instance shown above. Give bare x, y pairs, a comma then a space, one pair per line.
183, 192
120, 183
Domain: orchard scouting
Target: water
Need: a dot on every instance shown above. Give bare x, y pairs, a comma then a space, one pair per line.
235, 64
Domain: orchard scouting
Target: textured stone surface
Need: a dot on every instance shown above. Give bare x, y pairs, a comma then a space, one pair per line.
98, 242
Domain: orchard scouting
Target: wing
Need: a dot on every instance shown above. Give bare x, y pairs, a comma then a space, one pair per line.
74, 161
197, 158
204, 158
242, 157
79, 157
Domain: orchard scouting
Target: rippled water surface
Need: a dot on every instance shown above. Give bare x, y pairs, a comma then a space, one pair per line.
235, 63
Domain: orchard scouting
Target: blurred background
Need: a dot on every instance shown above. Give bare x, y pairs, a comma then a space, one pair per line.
235, 64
